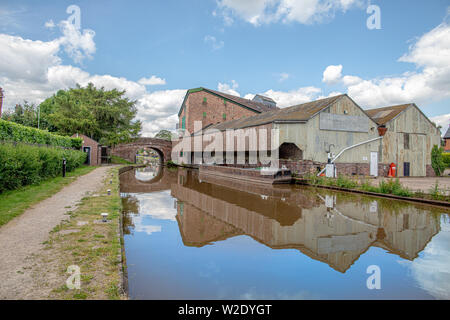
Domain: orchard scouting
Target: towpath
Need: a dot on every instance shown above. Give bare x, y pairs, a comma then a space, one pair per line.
22, 238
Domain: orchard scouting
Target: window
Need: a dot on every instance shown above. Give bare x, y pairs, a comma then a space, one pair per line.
224, 101
204, 100
181, 153
224, 116
204, 114
183, 123
406, 141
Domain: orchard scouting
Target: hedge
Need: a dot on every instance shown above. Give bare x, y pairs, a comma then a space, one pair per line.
22, 164
11, 131
446, 159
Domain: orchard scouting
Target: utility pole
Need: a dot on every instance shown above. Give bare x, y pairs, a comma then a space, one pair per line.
39, 114
1, 101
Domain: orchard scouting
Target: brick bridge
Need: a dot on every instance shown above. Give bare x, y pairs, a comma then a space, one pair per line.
128, 151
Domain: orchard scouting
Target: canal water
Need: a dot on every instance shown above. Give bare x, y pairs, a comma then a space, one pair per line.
199, 237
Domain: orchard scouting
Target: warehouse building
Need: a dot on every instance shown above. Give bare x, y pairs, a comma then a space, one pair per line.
310, 135
408, 137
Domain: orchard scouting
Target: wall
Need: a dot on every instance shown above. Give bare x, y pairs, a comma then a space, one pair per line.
422, 136
447, 145
95, 152
314, 142
214, 108
128, 151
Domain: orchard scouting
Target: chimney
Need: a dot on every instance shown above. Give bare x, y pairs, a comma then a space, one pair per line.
1, 101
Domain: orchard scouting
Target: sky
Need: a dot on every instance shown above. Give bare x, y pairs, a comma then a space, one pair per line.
380, 53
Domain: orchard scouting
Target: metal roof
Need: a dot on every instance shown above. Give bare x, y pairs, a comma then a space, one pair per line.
447, 134
383, 115
249, 104
298, 113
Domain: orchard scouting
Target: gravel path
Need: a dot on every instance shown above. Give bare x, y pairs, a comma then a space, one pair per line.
22, 238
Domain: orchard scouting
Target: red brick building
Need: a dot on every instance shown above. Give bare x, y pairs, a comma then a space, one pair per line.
447, 140
97, 154
212, 107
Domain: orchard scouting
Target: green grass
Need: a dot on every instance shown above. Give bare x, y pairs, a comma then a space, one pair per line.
119, 160
390, 186
94, 248
15, 202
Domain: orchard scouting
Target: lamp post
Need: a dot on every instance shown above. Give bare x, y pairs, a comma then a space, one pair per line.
39, 114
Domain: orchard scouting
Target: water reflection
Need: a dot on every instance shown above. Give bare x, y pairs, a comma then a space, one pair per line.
333, 229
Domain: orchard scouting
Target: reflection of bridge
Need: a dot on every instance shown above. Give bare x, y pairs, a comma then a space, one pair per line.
329, 227
162, 181
128, 150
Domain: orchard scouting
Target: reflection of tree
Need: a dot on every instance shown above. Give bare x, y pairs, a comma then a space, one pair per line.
130, 205
147, 156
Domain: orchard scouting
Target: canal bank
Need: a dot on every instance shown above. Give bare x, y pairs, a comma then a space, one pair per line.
387, 188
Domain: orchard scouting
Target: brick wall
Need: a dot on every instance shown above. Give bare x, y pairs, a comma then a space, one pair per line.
430, 171
447, 145
304, 167
214, 108
128, 150
88, 142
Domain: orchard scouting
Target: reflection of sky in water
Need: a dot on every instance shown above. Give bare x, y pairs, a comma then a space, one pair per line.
432, 269
146, 174
160, 266
158, 205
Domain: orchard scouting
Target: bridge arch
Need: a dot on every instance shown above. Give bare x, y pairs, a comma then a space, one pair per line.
128, 151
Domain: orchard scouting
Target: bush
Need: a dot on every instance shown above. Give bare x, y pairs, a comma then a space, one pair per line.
437, 161
446, 159
393, 187
11, 131
22, 164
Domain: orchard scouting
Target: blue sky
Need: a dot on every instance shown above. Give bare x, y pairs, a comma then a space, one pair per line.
293, 51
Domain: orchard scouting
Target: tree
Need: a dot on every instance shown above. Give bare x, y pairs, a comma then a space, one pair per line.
25, 114
164, 134
437, 161
103, 115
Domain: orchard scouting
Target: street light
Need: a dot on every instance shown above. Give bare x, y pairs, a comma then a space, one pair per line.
39, 114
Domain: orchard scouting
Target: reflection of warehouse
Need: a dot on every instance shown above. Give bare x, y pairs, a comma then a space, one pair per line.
307, 132
329, 229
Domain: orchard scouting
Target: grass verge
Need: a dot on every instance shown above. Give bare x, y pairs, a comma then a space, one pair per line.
90, 244
15, 202
119, 160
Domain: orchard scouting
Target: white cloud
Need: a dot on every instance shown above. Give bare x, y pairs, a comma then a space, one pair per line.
157, 205
230, 89
259, 12
215, 44
332, 74
432, 269
443, 121
148, 229
293, 97
430, 81
49, 24
283, 76
152, 81
32, 70
77, 44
